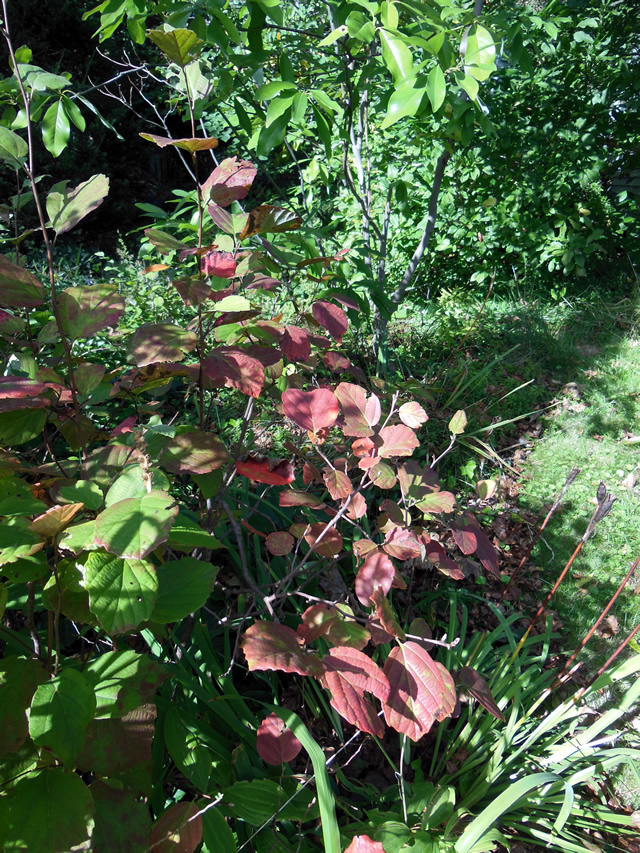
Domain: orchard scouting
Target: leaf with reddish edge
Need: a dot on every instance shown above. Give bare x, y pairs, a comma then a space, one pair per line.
437, 502
378, 635
277, 744
311, 410
403, 544
412, 415
235, 369
292, 497
472, 540
221, 218
195, 452
325, 261
420, 629
331, 318
18, 287
87, 310
364, 844
376, 571
160, 342
310, 474
357, 507
219, 264
178, 830
371, 462
422, 691
269, 471
331, 543
338, 484
336, 362
55, 519
189, 144
229, 181
294, 344
473, 683
397, 441
397, 516
359, 413
193, 291
270, 219
267, 645
363, 447
385, 614
382, 475
267, 356
349, 674
316, 621
441, 560
259, 281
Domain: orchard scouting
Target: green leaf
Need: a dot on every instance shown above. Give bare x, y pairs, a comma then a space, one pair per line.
123, 681
186, 534
276, 108
73, 113
405, 101
360, 27
216, 833
56, 129
190, 757
60, 712
66, 594
132, 483
397, 57
16, 498
19, 679
183, 587
87, 310
436, 87
270, 90
18, 287
323, 129
13, 148
479, 50
256, 801
17, 540
469, 84
181, 46
21, 426
333, 36
122, 593
458, 422
66, 209
84, 491
134, 527
49, 810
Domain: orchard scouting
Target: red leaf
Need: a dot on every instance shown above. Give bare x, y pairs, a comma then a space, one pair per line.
348, 675
402, 544
195, 452
220, 264
336, 362
177, 830
376, 571
124, 426
193, 291
221, 218
230, 181
413, 415
235, 369
359, 413
268, 218
357, 507
332, 318
442, 561
364, 844
280, 543
267, 645
160, 342
311, 410
294, 344
397, 441
18, 287
363, 447
316, 621
385, 614
310, 474
292, 497
277, 744
338, 484
268, 471
472, 682
422, 691
472, 540
331, 543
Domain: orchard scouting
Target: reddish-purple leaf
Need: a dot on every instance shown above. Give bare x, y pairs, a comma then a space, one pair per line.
234, 368
292, 497
280, 543
402, 544
325, 261
376, 571
267, 356
18, 287
357, 506
413, 415
294, 344
193, 291
336, 362
385, 614
160, 342
259, 281
349, 674
87, 310
364, 844
397, 441
310, 474
331, 543
269, 471
267, 645
417, 481
331, 318
221, 218
363, 447
178, 830
230, 181
219, 264
437, 502
311, 410
338, 484
472, 540
441, 560
422, 691
316, 621
277, 744
268, 218
194, 451
472, 682
353, 400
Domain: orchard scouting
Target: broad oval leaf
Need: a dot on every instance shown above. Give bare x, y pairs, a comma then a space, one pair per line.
267, 645
56, 129
61, 710
269, 471
330, 545
134, 527
280, 543
195, 452
471, 539
178, 830
331, 318
397, 440
311, 410
160, 342
189, 144
270, 219
18, 288
405, 101
338, 484
67, 208
412, 415
230, 181
295, 344
277, 744
13, 148
360, 413
181, 46
122, 592
219, 264
436, 87
422, 691
349, 674
234, 368
403, 544
364, 844
397, 57
183, 587
458, 422
437, 502
376, 571
87, 310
